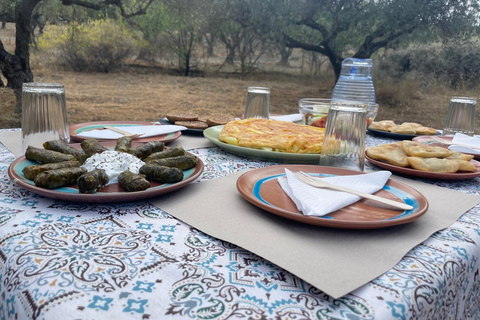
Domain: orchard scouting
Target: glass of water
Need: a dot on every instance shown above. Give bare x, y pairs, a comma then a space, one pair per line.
460, 116
44, 114
344, 140
258, 103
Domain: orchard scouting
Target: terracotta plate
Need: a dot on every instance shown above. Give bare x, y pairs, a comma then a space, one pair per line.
425, 174
260, 187
392, 135
429, 141
76, 129
212, 135
110, 193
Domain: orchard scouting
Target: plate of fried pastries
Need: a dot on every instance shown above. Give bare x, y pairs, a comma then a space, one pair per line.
415, 159
56, 171
404, 131
269, 140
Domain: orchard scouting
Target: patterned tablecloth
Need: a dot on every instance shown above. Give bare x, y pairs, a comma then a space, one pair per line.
61, 260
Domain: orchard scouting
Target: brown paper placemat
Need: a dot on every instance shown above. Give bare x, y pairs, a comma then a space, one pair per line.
335, 261
12, 141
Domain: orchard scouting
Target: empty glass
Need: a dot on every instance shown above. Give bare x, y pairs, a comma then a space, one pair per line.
344, 141
314, 111
460, 116
44, 114
258, 103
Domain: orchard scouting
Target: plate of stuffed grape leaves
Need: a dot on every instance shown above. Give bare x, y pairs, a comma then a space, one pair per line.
99, 172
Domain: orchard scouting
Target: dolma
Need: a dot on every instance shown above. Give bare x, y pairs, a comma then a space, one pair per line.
168, 153
123, 144
43, 156
30, 172
63, 147
92, 181
147, 149
92, 146
161, 173
52, 179
181, 162
133, 182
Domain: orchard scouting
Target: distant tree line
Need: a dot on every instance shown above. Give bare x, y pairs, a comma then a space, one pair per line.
249, 29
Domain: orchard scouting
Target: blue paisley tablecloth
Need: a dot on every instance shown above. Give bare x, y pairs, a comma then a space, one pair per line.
61, 260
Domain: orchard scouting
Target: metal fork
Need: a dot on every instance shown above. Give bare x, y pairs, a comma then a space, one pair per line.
454, 144
319, 183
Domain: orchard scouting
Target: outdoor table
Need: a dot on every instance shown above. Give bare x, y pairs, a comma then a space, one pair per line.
67, 260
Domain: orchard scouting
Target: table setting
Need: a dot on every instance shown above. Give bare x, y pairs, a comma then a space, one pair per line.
248, 231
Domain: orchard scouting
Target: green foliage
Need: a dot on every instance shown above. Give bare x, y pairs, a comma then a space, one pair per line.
101, 45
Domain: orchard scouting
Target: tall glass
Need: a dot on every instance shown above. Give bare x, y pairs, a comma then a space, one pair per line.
344, 140
44, 114
460, 116
258, 103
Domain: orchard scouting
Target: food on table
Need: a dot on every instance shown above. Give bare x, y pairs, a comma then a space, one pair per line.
124, 144
404, 128
92, 146
92, 181
172, 152
43, 156
193, 124
415, 149
392, 153
30, 172
63, 147
420, 157
52, 179
281, 136
184, 162
161, 173
133, 182
147, 149
199, 121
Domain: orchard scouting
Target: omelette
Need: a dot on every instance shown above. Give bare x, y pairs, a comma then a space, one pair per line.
271, 135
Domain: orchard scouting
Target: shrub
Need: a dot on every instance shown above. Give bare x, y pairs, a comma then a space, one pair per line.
101, 45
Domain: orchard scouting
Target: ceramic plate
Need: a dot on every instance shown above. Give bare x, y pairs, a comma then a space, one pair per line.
425, 174
429, 141
110, 193
212, 135
76, 129
260, 187
397, 136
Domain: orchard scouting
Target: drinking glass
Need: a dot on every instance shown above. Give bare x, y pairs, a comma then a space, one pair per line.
314, 111
460, 116
258, 103
44, 114
344, 140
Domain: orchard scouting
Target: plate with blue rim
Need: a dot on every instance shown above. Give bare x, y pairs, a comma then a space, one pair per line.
260, 187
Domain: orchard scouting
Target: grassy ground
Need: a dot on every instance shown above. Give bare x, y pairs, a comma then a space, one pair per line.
148, 93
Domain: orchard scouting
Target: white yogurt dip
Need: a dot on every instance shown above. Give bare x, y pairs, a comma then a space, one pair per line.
113, 163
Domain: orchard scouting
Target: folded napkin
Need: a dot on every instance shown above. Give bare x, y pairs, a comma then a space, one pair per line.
461, 138
313, 201
145, 131
288, 117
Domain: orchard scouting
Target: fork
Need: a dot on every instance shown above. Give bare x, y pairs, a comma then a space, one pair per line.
125, 133
454, 144
319, 183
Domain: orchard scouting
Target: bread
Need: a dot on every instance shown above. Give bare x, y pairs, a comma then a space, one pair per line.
192, 124
271, 135
391, 153
218, 119
174, 117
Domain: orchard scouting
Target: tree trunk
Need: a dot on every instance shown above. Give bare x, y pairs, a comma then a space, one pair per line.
285, 54
187, 64
4, 24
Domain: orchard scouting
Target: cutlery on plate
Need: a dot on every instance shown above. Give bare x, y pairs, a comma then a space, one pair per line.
125, 133
319, 183
454, 144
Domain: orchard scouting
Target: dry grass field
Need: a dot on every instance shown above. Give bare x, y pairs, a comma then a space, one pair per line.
147, 93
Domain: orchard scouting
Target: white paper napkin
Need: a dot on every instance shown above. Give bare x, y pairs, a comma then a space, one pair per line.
288, 117
146, 131
461, 138
313, 201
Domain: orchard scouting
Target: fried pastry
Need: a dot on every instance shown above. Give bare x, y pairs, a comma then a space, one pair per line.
174, 117
218, 119
464, 165
411, 124
425, 130
383, 125
433, 164
270, 135
460, 156
192, 124
403, 129
391, 153
415, 149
